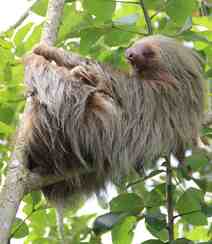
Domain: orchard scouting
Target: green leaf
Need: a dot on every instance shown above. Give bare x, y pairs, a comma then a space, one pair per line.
207, 242
156, 221
154, 4
17, 75
40, 240
207, 131
157, 196
181, 241
179, 10
189, 206
153, 227
89, 38
198, 233
128, 202
118, 37
21, 34
208, 74
205, 21
197, 160
20, 50
105, 222
187, 25
40, 7
19, 229
207, 210
123, 232
5, 43
34, 38
6, 114
6, 129
101, 9
127, 20
42, 219
6, 57
153, 242
202, 183
154, 173
7, 72
70, 25
193, 36
36, 197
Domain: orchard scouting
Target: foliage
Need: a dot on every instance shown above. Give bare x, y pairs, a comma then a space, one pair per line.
102, 29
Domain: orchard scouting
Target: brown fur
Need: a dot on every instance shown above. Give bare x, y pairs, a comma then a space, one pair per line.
85, 115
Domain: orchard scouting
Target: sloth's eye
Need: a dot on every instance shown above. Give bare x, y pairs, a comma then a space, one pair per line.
148, 53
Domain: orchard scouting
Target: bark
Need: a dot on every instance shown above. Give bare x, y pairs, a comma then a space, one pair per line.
10, 197
53, 20
169, 200
19, 180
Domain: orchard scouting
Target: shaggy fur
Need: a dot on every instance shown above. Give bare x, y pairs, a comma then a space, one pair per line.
88, 116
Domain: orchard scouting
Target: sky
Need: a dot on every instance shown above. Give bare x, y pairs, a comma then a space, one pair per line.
10, 12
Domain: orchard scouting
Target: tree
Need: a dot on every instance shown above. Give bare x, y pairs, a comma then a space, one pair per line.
104, 38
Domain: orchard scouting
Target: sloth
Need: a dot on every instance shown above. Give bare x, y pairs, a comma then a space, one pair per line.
98, 123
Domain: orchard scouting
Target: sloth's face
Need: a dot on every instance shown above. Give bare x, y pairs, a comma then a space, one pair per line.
142, 56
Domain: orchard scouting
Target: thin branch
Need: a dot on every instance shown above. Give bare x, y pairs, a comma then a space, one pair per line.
169, 200
187, 213
147, 18
154, 15
159, 10
24, 221
143, 179
53, 20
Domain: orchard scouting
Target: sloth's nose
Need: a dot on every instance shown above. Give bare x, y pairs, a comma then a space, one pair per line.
130, 54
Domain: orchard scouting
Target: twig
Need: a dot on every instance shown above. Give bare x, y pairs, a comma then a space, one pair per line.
147, 18
169, 200
187, 213
53, 20
159, 10
24, 221
143, 179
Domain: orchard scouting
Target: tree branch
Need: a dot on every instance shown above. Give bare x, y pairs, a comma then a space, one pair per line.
51, 26
147, 18
169, 201
11, 195
19, 180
